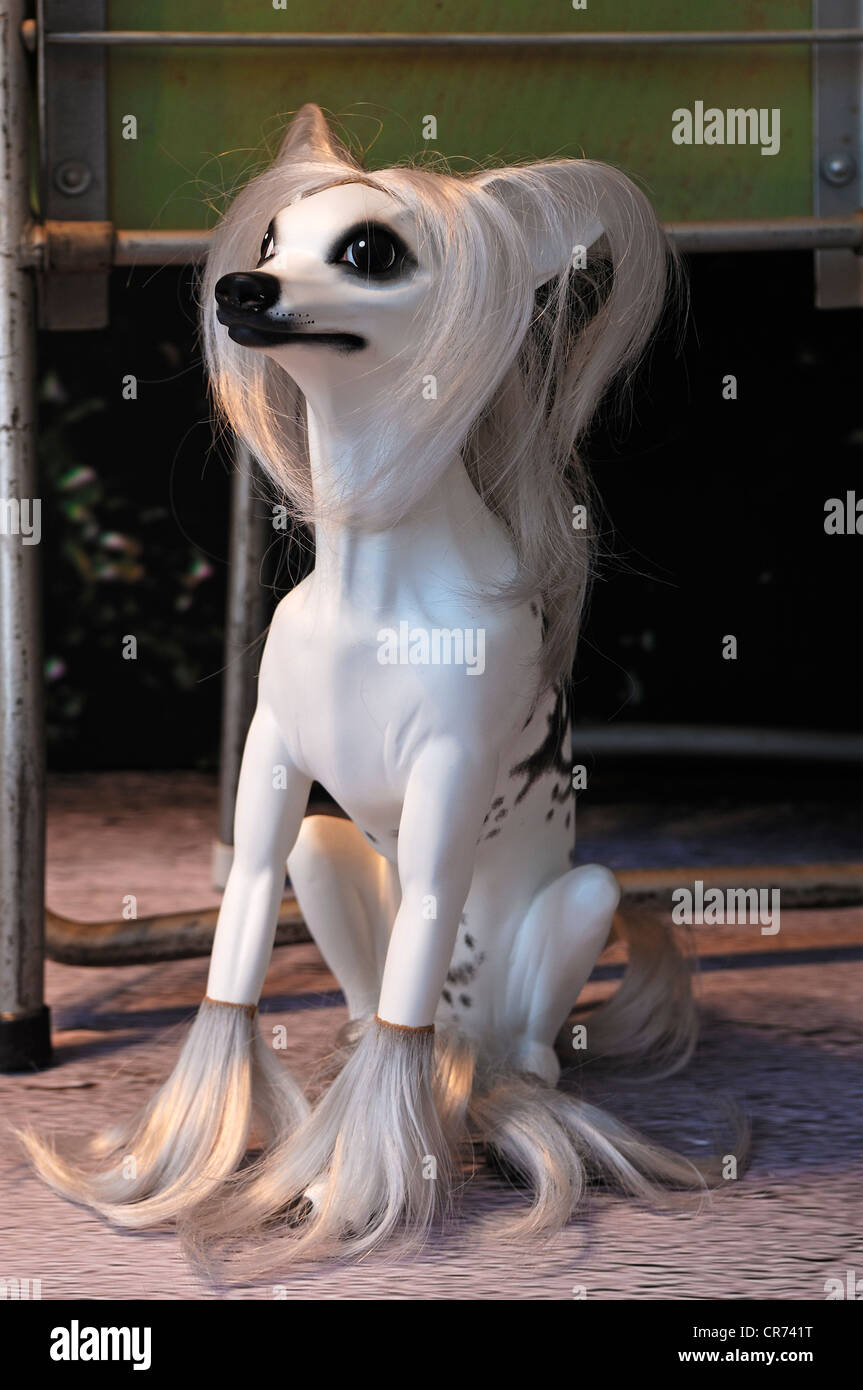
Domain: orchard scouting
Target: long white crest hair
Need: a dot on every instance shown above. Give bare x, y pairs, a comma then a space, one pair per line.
522, 346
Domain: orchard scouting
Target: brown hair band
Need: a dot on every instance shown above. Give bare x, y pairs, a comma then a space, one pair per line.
404, 1027
250, 1009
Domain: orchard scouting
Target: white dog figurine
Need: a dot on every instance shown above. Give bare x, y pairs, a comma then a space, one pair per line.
413, 357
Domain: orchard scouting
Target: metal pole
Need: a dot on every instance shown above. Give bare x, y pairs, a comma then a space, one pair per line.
718, 741
137, 248
768, 234
25, 1039
211, 38
243, 628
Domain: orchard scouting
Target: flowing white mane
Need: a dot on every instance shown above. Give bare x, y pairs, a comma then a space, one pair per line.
519, 367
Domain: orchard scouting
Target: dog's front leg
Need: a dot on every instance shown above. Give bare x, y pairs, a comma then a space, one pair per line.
448, 793
271, 802
375, 1156
192, 1135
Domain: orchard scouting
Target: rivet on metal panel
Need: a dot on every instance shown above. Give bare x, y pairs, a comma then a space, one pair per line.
73, 157
73, 177
839, 168
838, 139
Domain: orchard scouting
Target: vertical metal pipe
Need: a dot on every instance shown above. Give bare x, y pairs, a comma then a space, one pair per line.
243, 626
24, 1026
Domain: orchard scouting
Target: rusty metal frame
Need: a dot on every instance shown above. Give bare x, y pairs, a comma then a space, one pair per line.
73, 160
24, 1027
837, 89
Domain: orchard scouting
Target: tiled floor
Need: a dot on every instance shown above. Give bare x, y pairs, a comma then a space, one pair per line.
782, 1037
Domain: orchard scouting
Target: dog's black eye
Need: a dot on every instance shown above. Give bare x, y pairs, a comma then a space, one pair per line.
373, 252
268, 245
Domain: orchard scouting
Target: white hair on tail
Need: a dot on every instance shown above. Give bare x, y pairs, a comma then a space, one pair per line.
519, 372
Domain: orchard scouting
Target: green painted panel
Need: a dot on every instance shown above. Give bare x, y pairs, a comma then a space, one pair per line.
203, 115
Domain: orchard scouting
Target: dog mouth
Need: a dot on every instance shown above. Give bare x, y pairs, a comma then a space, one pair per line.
258, 334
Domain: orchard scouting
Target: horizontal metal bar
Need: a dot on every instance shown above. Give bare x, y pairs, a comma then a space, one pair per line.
769, 234
801, 885
162, 38
184, 935
173, 936
160, 248
718, 741
176, 247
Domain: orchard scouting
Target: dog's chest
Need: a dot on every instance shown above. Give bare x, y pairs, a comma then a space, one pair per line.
351, 721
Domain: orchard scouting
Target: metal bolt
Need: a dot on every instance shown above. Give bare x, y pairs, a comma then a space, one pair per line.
838, 168
73, 177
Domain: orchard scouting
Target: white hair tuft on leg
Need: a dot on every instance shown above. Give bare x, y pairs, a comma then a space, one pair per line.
358, 1174
374, 1161
190, 1137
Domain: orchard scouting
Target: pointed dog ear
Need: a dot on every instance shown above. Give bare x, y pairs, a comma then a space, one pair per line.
552, 205
309, 136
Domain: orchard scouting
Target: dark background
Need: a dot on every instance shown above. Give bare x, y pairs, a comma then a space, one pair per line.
714, 523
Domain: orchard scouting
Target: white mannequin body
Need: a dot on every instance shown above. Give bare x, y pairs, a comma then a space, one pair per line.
413, 358
422, 758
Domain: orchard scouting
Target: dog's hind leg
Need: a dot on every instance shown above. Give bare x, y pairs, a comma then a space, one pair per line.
556, 948
348, 895
553, 1140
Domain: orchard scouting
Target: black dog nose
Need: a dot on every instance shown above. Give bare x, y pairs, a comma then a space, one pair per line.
247, 292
